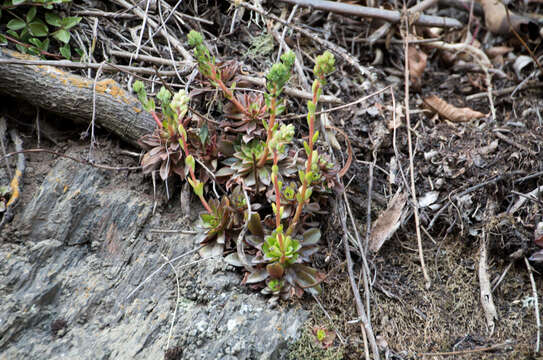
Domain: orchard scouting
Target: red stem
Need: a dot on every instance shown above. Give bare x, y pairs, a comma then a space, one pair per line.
193, 176
29, 46
278, 207
269, 134
226, 90
157, 120
305, 183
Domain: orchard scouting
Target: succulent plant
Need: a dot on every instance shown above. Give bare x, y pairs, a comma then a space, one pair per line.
219, 222
260, 164
286, 265
248, 123
245, 164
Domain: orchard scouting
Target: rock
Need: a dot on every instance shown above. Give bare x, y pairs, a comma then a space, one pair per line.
85, 248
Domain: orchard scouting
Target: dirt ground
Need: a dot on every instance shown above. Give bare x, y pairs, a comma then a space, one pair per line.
478, 168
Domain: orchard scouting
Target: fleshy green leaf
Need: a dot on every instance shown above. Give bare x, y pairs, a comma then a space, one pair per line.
62, 36
31, 14
53, 19
16, 24
255, 225
70, 21
65, 51
38, 28
204, 133
311, 236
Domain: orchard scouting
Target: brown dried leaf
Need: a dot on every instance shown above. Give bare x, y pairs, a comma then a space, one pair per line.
150, 162
417, 64
538, 234
498, 51
164, 170
451, 112
497, 22
388, 222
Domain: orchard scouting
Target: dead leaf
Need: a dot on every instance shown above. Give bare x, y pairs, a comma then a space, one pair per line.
537, 256
451, 112
394, 121
538, 234
498, 51
497, 22
428, 199
417, 65
388, 222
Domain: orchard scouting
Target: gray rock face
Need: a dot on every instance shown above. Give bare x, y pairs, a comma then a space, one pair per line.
83, 245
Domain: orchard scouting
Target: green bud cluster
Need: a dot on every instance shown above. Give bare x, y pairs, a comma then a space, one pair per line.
324, 65
275, 285
279, 74
180, 103
281, 137
201, 53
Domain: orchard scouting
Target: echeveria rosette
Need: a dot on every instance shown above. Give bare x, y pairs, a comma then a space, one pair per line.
244, 164
217, 223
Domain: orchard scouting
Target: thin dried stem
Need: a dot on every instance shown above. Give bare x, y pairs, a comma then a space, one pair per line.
411, 166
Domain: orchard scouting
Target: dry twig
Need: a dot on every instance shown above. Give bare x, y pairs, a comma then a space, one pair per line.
142, 15
536, 306
376, 13
328, 44
484, 281
411, 165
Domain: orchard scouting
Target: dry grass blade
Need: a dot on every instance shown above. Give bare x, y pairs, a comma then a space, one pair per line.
451, 112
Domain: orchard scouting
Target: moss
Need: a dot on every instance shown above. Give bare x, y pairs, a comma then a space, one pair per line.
308, 347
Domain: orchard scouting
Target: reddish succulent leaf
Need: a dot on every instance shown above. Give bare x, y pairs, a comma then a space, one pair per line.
305, 277
275, 270
255, 225
257, 276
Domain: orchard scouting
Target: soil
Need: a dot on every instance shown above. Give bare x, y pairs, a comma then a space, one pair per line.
409, 320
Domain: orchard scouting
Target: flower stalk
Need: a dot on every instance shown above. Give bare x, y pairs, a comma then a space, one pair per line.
207, 67
323, 66
196, 184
